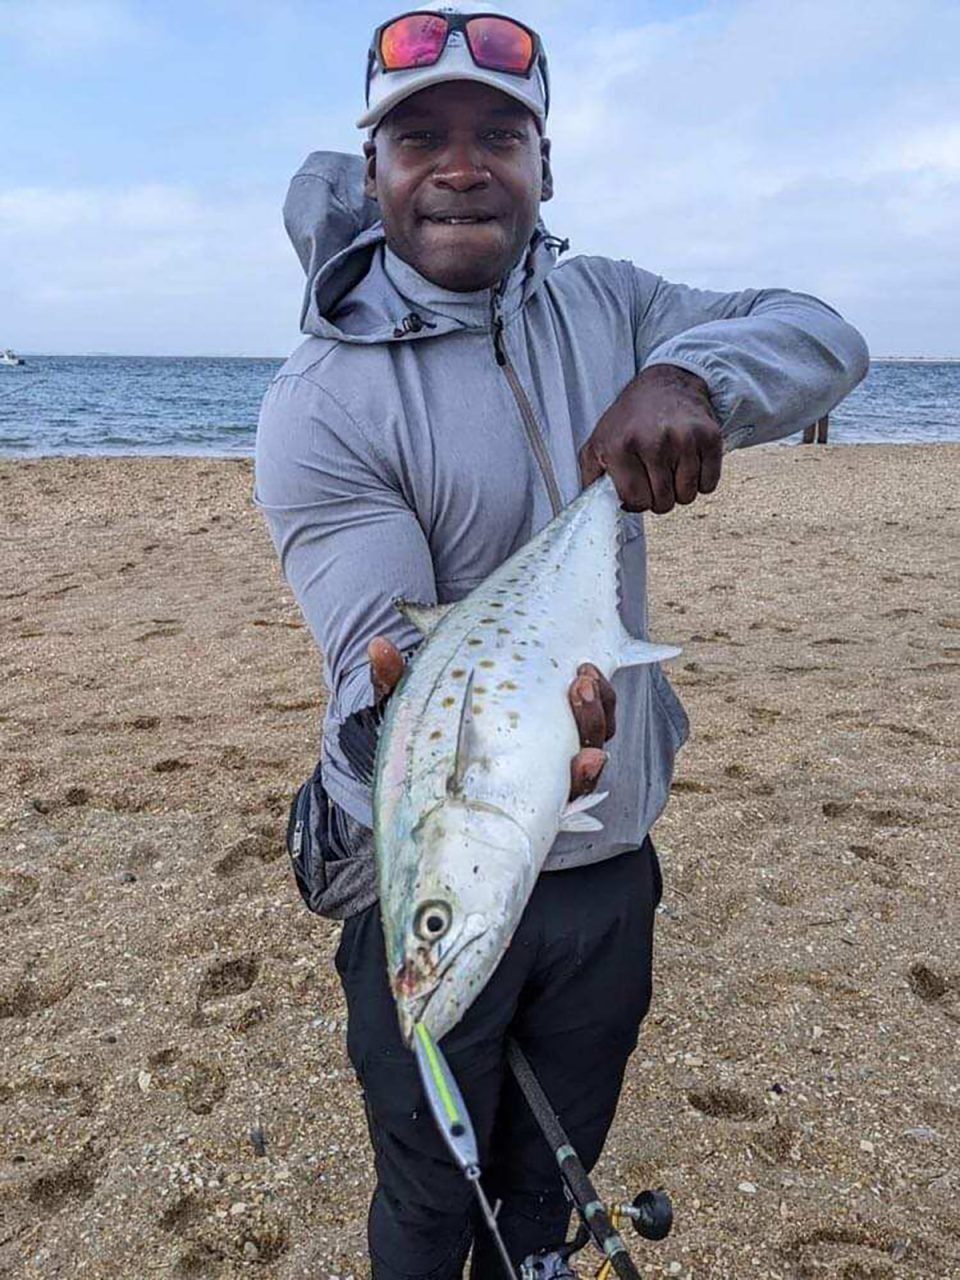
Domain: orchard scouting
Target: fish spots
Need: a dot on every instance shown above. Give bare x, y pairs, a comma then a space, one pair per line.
487, 620
503, 631
521, 613
519, 657
496, 604
437, 733
479, 689
474, 640
447, 701
486, 663
507, 684
476, 709
458, 673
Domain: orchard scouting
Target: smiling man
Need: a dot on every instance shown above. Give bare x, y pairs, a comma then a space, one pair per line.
456, 389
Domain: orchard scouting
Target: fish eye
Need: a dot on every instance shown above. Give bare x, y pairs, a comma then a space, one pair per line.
432, 921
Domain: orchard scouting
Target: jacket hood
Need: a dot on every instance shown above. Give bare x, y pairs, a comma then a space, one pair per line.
357, 289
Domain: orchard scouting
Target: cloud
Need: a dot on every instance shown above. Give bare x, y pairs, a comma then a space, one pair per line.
808, 143
774, 143
59, 30
147, 269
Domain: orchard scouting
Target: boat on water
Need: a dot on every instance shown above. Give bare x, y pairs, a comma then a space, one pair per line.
11, 358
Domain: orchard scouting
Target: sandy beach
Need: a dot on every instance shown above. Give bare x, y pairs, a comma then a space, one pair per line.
175, 1096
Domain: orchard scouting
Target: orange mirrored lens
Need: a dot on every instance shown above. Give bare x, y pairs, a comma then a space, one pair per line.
414, 41
500, 45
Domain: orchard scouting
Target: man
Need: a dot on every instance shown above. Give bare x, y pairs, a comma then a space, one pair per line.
456, 389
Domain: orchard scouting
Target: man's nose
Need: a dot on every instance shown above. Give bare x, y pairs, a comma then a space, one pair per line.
461, 168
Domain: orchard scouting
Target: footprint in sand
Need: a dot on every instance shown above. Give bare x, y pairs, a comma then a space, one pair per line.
725, 1104
204, 1085
144, 722
181, 1215
258, 1237
220, 983
926, 983
160, 632
171, 765
31, 989
857, 1253
835, 808
257, 847
60, 1188
764, 715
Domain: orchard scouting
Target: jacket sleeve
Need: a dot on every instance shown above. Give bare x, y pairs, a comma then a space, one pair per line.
774, 361
348, 543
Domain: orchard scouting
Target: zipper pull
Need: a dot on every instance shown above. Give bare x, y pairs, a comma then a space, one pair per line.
496, 324
498, 350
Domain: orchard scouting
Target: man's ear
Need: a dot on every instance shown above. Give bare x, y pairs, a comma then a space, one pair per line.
547, 173
370, 170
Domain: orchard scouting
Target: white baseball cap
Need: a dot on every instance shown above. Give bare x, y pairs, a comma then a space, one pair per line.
387, 88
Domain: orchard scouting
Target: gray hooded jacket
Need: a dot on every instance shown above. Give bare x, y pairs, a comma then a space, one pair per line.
418, 437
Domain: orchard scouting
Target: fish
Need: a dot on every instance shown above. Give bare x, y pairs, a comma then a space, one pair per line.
471, 775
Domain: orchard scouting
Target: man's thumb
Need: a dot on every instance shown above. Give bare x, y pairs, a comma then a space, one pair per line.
591, 464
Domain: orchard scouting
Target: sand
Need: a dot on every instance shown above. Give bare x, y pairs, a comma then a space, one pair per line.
176, 1098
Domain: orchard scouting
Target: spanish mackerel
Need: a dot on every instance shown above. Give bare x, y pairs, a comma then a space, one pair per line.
472, 771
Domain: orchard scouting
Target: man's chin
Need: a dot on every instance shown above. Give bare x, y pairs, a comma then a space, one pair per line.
464, 259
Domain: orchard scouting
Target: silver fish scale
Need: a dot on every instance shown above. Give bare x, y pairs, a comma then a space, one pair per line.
467, 837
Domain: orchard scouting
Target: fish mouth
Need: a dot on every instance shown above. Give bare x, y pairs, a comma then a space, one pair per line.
418, 978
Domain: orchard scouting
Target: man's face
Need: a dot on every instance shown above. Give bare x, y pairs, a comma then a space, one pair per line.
459, 171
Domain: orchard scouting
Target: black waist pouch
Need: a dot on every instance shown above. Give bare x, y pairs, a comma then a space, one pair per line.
331, 853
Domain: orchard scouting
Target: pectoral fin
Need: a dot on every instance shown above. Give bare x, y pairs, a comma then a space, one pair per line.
636, 653
575, 816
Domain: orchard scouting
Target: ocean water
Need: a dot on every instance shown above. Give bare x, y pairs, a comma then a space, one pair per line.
171, 405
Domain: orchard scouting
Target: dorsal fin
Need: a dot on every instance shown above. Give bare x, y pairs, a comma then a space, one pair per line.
424, 617
462, 757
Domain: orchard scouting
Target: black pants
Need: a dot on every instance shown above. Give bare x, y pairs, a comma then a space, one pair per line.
572, 989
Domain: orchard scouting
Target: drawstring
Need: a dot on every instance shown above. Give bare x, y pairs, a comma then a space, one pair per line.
412, 323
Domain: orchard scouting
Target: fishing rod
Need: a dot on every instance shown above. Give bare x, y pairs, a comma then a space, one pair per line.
651, 1212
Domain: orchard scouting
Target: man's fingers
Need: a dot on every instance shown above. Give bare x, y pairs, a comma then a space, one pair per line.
386, 666
585, 770
711, 462
686, 478
591, 464
632, 485
588, 711
660, 476
608, 698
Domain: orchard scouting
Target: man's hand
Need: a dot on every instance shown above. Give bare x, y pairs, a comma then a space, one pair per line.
659, 440
592, 700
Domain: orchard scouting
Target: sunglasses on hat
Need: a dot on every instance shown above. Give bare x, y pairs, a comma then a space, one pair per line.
418, 39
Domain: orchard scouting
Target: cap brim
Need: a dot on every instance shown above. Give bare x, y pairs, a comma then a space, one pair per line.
423, 78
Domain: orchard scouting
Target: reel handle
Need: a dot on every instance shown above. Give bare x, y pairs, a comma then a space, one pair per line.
651, 1214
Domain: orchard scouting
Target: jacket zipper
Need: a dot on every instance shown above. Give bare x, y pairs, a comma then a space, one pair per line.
536, 440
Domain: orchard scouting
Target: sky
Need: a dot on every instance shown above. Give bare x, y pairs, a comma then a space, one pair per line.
809, 144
